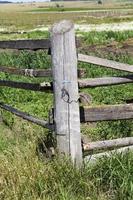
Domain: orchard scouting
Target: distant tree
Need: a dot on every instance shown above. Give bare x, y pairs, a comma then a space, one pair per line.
57, 5
60, 7
99, 2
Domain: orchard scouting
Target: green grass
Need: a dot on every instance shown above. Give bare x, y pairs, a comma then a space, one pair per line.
105, 37
61, 8
26, 175
58, 9
25, 35
25, 17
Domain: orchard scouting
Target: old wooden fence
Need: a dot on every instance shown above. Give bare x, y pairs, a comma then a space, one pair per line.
67, 113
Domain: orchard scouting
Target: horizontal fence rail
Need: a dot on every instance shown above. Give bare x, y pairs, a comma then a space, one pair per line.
105, 81
106, 113
27, 72
25, 116
48, 86
41, 87
106, 144
28, 44
65, 117
35, 72
25, 44
92, 159
105, 63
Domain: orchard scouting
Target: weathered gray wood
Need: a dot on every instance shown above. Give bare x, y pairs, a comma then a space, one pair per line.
106, 113
105, 81
105, 63
107, 144
93, 159
66, 116
25, 44
35, 72
26, 116
42, 87
26, 72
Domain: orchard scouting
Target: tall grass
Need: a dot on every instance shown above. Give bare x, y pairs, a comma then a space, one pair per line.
27, 174
26, 17
105, 37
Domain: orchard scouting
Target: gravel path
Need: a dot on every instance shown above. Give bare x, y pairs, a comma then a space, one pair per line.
123, 26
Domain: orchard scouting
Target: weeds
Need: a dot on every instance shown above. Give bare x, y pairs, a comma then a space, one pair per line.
26, 175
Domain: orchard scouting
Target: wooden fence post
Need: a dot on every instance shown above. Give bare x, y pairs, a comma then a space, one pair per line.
66, 105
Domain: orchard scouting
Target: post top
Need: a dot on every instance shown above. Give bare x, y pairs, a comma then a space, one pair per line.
62, 27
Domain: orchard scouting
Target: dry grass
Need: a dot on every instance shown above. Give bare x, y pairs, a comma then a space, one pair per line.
19, 16
27, 175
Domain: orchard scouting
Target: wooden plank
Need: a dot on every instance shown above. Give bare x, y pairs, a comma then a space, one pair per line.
105, 81
41, 87
93, 159
66, 112
27, 72
106, 113
35, 72
25, 44
107, 144
25, 116
28, 44
105, 63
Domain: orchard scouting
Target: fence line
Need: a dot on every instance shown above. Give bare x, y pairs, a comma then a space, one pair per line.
85, 83
67, 115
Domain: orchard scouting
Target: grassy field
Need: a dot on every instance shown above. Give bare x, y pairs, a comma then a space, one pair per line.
28, 16
26, 172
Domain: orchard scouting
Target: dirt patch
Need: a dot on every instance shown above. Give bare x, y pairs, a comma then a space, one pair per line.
115, 48
128, 46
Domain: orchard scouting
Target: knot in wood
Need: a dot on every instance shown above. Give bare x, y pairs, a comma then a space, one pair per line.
29, 72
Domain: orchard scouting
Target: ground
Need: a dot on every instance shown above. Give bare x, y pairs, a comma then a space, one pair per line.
26, 172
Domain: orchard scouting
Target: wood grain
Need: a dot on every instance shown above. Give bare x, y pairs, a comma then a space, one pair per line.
25, 44
105, 81
66, 106
107, 144
105, 63
106, 113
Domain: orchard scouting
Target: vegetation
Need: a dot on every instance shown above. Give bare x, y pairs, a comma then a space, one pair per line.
61, 8
26, 171
14, 17
27, 175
